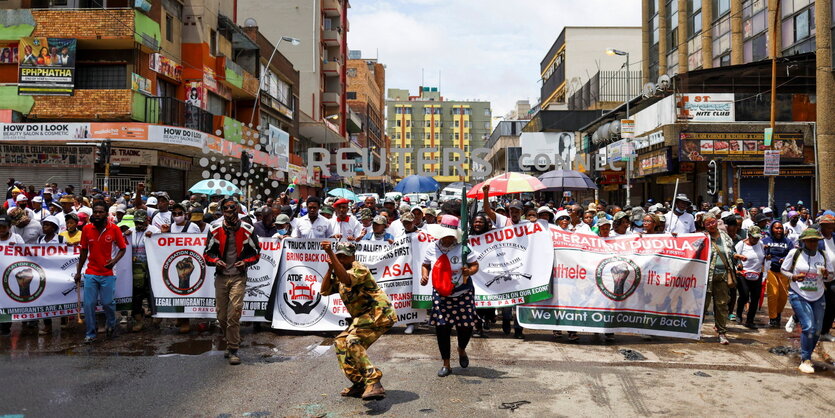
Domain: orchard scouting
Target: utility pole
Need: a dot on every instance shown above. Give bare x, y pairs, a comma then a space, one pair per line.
773, 96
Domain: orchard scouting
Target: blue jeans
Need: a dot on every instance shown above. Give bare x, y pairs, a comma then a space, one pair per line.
101, 288
810, 317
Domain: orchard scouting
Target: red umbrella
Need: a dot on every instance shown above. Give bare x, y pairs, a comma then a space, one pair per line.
507, 183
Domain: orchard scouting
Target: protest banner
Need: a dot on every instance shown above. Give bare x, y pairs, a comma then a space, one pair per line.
299, 304
391, 266
513, 267
650, 284
183, 285
421, 295
38, 281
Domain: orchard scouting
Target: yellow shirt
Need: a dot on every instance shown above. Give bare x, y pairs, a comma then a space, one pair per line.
74, 239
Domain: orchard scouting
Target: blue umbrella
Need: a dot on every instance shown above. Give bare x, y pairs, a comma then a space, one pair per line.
340, 192
417, 184
214, 186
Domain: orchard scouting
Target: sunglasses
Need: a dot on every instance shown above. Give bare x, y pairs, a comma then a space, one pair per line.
230, 208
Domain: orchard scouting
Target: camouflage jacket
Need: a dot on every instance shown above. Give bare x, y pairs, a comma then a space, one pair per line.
366, 302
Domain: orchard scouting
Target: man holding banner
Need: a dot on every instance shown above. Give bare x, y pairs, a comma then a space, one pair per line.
372, 315
232, 247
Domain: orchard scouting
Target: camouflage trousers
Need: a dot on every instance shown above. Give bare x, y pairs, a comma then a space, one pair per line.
351, 346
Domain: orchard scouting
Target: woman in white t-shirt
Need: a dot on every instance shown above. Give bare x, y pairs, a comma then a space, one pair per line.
445, 261
808, 268
751, 253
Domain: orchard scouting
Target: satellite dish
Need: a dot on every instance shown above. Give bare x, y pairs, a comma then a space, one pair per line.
663, 82
595, 138
648, 90
614, 128
603, 131
250, 23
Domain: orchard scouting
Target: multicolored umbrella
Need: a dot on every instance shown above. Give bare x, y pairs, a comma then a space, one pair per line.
507, 183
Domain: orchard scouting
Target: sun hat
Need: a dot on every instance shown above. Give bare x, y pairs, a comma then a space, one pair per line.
282, 219
447, 226
51, 219
562, 213
346, 248
755, 232
380, 219
810, 233
127, 221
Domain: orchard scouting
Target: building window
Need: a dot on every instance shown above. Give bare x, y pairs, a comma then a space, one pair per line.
169, 28
456, 136
217, 104
213, 42
721, 7
408, 135
398, 123
351, 95
694, 18
101, 77
456, 124
487, 125
672, 63
754, 26
672, 26
487, 112
721, 37
694, 53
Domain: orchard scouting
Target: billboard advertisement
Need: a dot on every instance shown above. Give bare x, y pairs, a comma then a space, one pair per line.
46, 66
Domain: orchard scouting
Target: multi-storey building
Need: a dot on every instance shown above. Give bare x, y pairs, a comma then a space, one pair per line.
578, 54
321, 26
429, 120
169, 84
366, 99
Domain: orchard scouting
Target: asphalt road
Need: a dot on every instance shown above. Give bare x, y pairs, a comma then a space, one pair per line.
160, 373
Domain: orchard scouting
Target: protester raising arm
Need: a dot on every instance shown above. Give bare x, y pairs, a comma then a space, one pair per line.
486, 203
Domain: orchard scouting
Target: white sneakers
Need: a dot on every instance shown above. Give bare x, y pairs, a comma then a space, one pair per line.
806, 367
828, 337
790, 324
409, 329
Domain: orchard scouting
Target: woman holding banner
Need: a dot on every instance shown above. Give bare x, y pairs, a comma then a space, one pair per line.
721, 274
453, 294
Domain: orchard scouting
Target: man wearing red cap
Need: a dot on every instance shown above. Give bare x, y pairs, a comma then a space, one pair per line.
345, 226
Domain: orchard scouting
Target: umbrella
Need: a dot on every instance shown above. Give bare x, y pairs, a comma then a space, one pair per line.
507, 183
213, 186
417, 184
563, 180
340, 192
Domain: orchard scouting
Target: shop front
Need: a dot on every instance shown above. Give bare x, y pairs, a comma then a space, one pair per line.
38, 164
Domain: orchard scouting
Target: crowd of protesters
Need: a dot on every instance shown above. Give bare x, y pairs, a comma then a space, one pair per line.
756, 253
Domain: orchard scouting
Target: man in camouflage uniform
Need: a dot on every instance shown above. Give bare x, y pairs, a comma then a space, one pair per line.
371, 316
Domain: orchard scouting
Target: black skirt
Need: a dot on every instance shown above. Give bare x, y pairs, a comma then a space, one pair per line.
458, 311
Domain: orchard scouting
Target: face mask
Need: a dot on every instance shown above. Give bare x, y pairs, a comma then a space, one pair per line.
679, 211
179, 219
282, 232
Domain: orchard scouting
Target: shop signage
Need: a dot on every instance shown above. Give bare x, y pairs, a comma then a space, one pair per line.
784, 172
704, 146
43, 131
613, 177
133, 156
627, 128
647, 141
654, 162
165, 66
176, 136
716, 107
174, 161
46, 66
140, 84
46, 156
119, 131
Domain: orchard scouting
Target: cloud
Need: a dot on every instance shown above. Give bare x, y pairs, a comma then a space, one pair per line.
484, 49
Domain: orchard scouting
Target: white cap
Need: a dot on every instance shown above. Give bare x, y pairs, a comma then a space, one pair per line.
51, 219
22, 197
152, 201
768, 210
37, 199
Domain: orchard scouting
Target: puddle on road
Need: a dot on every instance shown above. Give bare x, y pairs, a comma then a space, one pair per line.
190, 347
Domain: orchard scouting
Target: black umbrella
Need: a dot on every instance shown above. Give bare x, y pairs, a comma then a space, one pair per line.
566, 180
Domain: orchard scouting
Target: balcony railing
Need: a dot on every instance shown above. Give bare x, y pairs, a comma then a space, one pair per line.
170, 111
605, 90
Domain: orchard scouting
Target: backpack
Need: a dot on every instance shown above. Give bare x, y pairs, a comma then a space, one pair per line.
797, 255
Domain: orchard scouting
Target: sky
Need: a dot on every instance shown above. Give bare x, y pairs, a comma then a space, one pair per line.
484, 49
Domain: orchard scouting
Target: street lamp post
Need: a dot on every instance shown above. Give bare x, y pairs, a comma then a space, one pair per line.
612, 51
294, 42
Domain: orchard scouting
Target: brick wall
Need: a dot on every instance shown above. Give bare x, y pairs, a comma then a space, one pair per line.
84, 24
85, 104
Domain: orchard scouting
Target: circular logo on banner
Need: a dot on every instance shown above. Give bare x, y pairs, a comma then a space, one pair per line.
184, 272
24, 281
303, 305
617, 278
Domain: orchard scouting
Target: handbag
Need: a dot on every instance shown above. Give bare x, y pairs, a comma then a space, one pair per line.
442, 276
730, 272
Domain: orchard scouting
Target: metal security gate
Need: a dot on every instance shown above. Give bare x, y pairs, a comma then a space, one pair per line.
37, 177
171, 181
